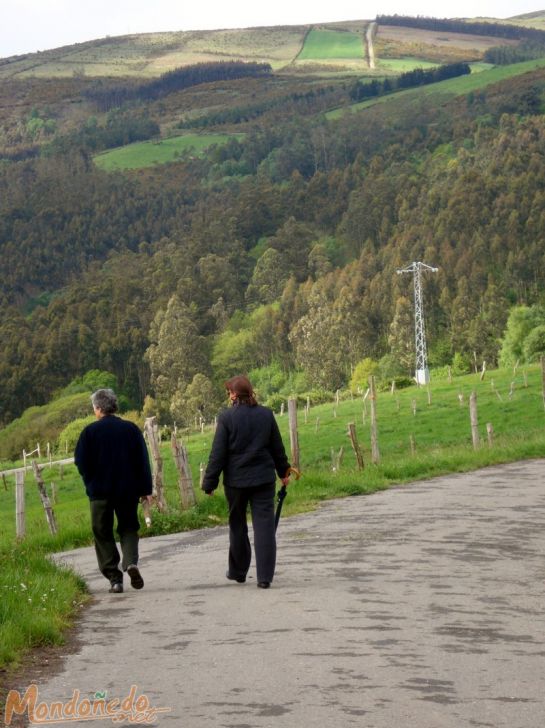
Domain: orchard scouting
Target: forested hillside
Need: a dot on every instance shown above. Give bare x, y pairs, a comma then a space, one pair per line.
275, 253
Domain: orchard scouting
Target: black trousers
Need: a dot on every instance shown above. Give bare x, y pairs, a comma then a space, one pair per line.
261, 501
102, 523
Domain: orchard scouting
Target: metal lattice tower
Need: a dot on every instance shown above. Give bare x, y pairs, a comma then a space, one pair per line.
422, 372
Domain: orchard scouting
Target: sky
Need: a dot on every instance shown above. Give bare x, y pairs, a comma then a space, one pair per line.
27, 26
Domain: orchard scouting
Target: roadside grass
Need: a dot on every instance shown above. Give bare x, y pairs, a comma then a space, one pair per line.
423, 432
148, 153
38, 602
331, 44
453, 86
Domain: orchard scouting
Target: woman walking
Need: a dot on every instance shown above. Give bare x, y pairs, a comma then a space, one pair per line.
248, 449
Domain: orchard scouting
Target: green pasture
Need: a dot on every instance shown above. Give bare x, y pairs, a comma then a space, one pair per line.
148, 153
321, 45
402, 65
479, 78
422, 432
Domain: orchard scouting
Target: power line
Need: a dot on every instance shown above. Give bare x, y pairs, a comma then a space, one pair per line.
422, 374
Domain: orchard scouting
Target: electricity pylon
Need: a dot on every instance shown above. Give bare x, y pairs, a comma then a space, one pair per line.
422, 375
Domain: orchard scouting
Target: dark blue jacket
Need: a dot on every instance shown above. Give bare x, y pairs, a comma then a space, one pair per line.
247, 447
112, 458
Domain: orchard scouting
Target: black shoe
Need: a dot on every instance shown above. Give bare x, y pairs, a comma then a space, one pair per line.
263, 584
135, 576
238, 579
116, 587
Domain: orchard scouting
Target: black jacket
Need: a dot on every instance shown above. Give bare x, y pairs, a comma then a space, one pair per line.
247, 447
112, 458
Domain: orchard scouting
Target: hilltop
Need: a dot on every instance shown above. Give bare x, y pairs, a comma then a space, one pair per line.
336, 47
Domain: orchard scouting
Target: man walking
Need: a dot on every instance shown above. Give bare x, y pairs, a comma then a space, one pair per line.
112, 459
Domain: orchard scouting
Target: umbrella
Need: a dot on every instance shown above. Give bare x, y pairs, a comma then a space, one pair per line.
282, 493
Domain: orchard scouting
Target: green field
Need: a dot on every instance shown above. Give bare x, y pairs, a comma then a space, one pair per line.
146, 154
321, 45
452, 86
402, 65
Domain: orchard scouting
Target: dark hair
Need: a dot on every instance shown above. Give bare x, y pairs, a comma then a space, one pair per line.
104, 400
242, 387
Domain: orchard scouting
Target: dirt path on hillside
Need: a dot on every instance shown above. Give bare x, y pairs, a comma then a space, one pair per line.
370, 47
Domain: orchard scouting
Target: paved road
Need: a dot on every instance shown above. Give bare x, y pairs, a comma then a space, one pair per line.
421, 606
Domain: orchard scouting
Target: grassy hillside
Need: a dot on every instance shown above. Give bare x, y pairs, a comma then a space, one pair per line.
480, 78
396, 42
327, 44
435, 419
145, 154
151, 54
304, 48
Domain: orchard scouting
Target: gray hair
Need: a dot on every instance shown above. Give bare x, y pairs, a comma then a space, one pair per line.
105, 400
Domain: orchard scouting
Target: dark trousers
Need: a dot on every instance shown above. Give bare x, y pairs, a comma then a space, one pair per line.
102, 523
261, 500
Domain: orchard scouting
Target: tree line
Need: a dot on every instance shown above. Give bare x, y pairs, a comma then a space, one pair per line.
527, 50
409, 79
107, 96
452, 25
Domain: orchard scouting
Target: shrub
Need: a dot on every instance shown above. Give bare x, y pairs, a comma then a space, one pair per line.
362, 371
400, 383
69, 436
41, 424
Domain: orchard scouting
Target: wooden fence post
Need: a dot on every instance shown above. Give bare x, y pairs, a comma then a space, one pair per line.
294, 438
20, 527
336, 459
355, 445
490, 433
375, 454
412, 444
474, 420
44, 498
151, 428
185, 483
543, 379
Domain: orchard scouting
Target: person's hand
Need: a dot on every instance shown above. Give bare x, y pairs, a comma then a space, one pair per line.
285, 480
148, 498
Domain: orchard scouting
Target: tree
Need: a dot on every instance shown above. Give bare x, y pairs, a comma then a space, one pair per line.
177, 352
401, 336
268, 278
534, 344
200, 399
521, 321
